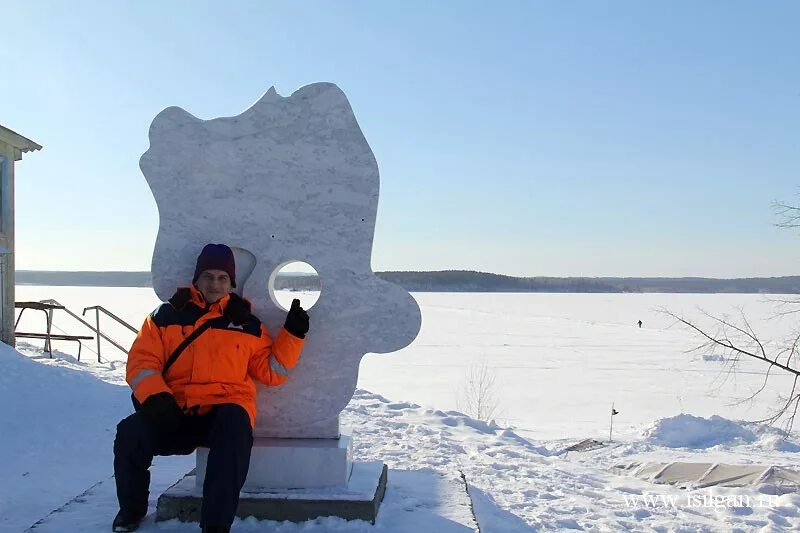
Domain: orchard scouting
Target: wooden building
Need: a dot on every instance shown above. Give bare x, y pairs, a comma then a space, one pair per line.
12, 146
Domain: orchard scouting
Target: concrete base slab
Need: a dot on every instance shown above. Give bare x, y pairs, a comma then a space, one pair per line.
360, 500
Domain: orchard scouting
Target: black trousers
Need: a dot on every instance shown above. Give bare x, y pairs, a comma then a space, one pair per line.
225, 431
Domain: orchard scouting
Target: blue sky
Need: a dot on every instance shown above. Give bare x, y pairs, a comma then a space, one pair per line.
525, 138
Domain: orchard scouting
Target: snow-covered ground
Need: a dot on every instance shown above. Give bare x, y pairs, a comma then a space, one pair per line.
560, 361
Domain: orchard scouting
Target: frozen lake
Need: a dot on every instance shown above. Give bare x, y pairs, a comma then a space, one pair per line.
559, 360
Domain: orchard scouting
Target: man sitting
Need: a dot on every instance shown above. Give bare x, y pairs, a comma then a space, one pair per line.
206, 395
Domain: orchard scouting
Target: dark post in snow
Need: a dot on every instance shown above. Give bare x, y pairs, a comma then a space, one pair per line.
611, 428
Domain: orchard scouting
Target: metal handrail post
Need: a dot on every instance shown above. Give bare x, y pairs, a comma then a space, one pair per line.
97, 321
19, 318
47, 346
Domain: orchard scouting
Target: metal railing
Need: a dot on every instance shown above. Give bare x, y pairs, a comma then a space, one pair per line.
97, 309
97, 331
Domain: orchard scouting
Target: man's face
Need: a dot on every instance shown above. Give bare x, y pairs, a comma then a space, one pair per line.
214, 284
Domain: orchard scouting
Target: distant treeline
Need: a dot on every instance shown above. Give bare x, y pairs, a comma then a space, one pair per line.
468, 281
83, 279
457, 281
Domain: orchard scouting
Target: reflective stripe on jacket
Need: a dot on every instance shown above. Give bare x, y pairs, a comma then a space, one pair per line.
220, 365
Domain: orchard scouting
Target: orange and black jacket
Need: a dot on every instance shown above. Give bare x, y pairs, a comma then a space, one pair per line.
219, 366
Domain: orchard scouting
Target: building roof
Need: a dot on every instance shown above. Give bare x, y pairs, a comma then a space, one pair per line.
23, 144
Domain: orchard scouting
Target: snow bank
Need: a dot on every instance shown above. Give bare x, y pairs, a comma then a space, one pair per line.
772, 438
58, 426
687, 431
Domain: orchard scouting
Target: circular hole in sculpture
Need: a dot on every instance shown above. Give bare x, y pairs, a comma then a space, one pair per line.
294, 279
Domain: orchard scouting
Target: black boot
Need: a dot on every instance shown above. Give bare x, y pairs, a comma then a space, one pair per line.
216, 529
126, 522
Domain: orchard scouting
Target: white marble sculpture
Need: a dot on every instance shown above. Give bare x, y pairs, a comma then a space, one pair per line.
290, 179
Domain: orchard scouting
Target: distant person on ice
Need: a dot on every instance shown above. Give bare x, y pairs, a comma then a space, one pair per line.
640, 323
208, 396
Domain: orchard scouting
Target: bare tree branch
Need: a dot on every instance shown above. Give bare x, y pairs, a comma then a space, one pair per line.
726, 343
789, 215
747, 343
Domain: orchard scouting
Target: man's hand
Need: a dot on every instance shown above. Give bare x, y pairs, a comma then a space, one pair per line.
297, 320
163, 411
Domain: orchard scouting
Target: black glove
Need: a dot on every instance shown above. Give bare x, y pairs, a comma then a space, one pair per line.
297, 320
163, 411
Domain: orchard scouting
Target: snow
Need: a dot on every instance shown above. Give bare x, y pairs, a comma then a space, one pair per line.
58, 424
687, 431
561, 360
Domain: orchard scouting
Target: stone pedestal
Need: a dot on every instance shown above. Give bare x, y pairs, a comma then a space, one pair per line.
293, 464
291, 479
358, 500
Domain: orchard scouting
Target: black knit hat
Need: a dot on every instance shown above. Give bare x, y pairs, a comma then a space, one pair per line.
216, 257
